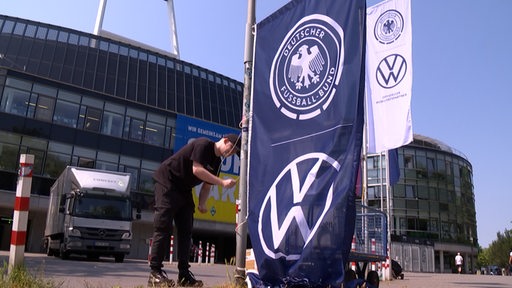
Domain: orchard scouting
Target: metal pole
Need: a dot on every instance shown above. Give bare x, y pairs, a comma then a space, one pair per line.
173, 30
387, 276
98, 26
241, 235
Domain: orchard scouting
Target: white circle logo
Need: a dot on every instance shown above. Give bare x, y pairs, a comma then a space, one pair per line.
389, 27
307, 67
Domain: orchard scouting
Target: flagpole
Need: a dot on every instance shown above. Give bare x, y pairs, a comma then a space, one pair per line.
241, 235
387, 275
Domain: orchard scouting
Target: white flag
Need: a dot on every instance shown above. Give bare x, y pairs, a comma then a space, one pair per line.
388, 75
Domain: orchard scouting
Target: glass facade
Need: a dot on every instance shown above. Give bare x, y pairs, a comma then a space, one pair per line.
433, 201
72, 98
117, 69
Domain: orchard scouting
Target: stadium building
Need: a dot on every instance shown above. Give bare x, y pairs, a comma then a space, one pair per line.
74, 98
432, 206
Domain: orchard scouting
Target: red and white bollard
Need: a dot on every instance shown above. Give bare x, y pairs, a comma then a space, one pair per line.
21, 206
212, 254
171, 248
149, 251
237, 211
385, 271
200, 253
207, 254
353, 248
373, 267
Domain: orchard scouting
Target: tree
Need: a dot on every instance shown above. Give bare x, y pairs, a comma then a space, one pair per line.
499, 250
483, 257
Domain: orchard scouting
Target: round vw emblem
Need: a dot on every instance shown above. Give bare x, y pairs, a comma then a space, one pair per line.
307, 67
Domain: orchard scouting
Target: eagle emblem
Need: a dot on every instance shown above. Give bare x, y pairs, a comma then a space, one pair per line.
306, 66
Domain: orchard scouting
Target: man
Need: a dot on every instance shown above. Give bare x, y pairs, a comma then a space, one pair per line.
197, 162
458, 262
510, 262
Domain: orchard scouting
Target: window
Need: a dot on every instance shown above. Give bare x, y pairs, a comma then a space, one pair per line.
66, 113
146, 181
15, 101
409, 161
8, 156
39, 156
374, 192
136, 128
134, 178
44, 108
84, 157
103, 165
431, 166
85, 162
92, 119
154, 134
56, 163
112, 124
410, 191
108, 161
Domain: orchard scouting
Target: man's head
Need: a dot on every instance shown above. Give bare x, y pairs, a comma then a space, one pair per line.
233, 144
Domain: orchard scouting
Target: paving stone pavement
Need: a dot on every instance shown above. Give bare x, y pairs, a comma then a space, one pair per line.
105, 273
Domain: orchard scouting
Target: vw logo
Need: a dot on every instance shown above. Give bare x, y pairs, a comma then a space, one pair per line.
391, 71
296, 204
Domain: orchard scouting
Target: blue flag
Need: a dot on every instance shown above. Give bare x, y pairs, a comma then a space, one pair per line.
305, 140
394, 168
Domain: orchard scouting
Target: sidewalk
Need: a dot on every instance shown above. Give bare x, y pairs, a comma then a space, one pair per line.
435, 280
105, 273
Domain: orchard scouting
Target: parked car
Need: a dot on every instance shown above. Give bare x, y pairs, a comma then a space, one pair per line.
493, 270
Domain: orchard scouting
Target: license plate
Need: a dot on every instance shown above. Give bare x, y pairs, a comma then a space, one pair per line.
102, 244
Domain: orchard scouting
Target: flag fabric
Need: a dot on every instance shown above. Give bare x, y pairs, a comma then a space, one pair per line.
388, 75
305, 140
394, 168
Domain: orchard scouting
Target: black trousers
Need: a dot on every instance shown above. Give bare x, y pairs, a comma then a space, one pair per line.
177, 205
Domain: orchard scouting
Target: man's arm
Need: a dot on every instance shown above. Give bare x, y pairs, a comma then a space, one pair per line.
203, 196
203, 174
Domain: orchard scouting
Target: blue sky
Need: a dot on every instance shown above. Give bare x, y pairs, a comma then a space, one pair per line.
462, 63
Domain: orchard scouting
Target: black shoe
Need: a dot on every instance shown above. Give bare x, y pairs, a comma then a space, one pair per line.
187, 279
159, 279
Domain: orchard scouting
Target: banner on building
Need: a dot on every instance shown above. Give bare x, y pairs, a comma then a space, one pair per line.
389, 75
305, 140
221, 203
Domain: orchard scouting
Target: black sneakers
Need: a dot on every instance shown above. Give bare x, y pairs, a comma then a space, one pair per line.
187, 279
159, 279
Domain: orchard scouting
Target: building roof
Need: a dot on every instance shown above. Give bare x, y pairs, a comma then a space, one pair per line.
425, 141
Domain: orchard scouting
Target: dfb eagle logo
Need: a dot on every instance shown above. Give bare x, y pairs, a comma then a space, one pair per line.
306, 64
307, 67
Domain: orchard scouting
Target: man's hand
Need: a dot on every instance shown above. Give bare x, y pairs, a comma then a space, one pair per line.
228, 182
202, 208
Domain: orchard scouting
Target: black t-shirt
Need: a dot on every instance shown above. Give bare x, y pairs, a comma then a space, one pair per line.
177, 169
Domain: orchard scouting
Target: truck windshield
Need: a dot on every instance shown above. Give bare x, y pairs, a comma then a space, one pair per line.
97, 206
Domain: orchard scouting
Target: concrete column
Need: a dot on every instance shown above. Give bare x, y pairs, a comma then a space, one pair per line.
441, 261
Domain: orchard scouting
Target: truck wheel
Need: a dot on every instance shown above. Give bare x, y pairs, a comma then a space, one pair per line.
119, 258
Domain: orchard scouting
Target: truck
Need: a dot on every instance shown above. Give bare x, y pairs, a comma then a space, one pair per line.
89, 213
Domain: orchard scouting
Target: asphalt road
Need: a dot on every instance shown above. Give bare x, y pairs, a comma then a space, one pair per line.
81, 273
